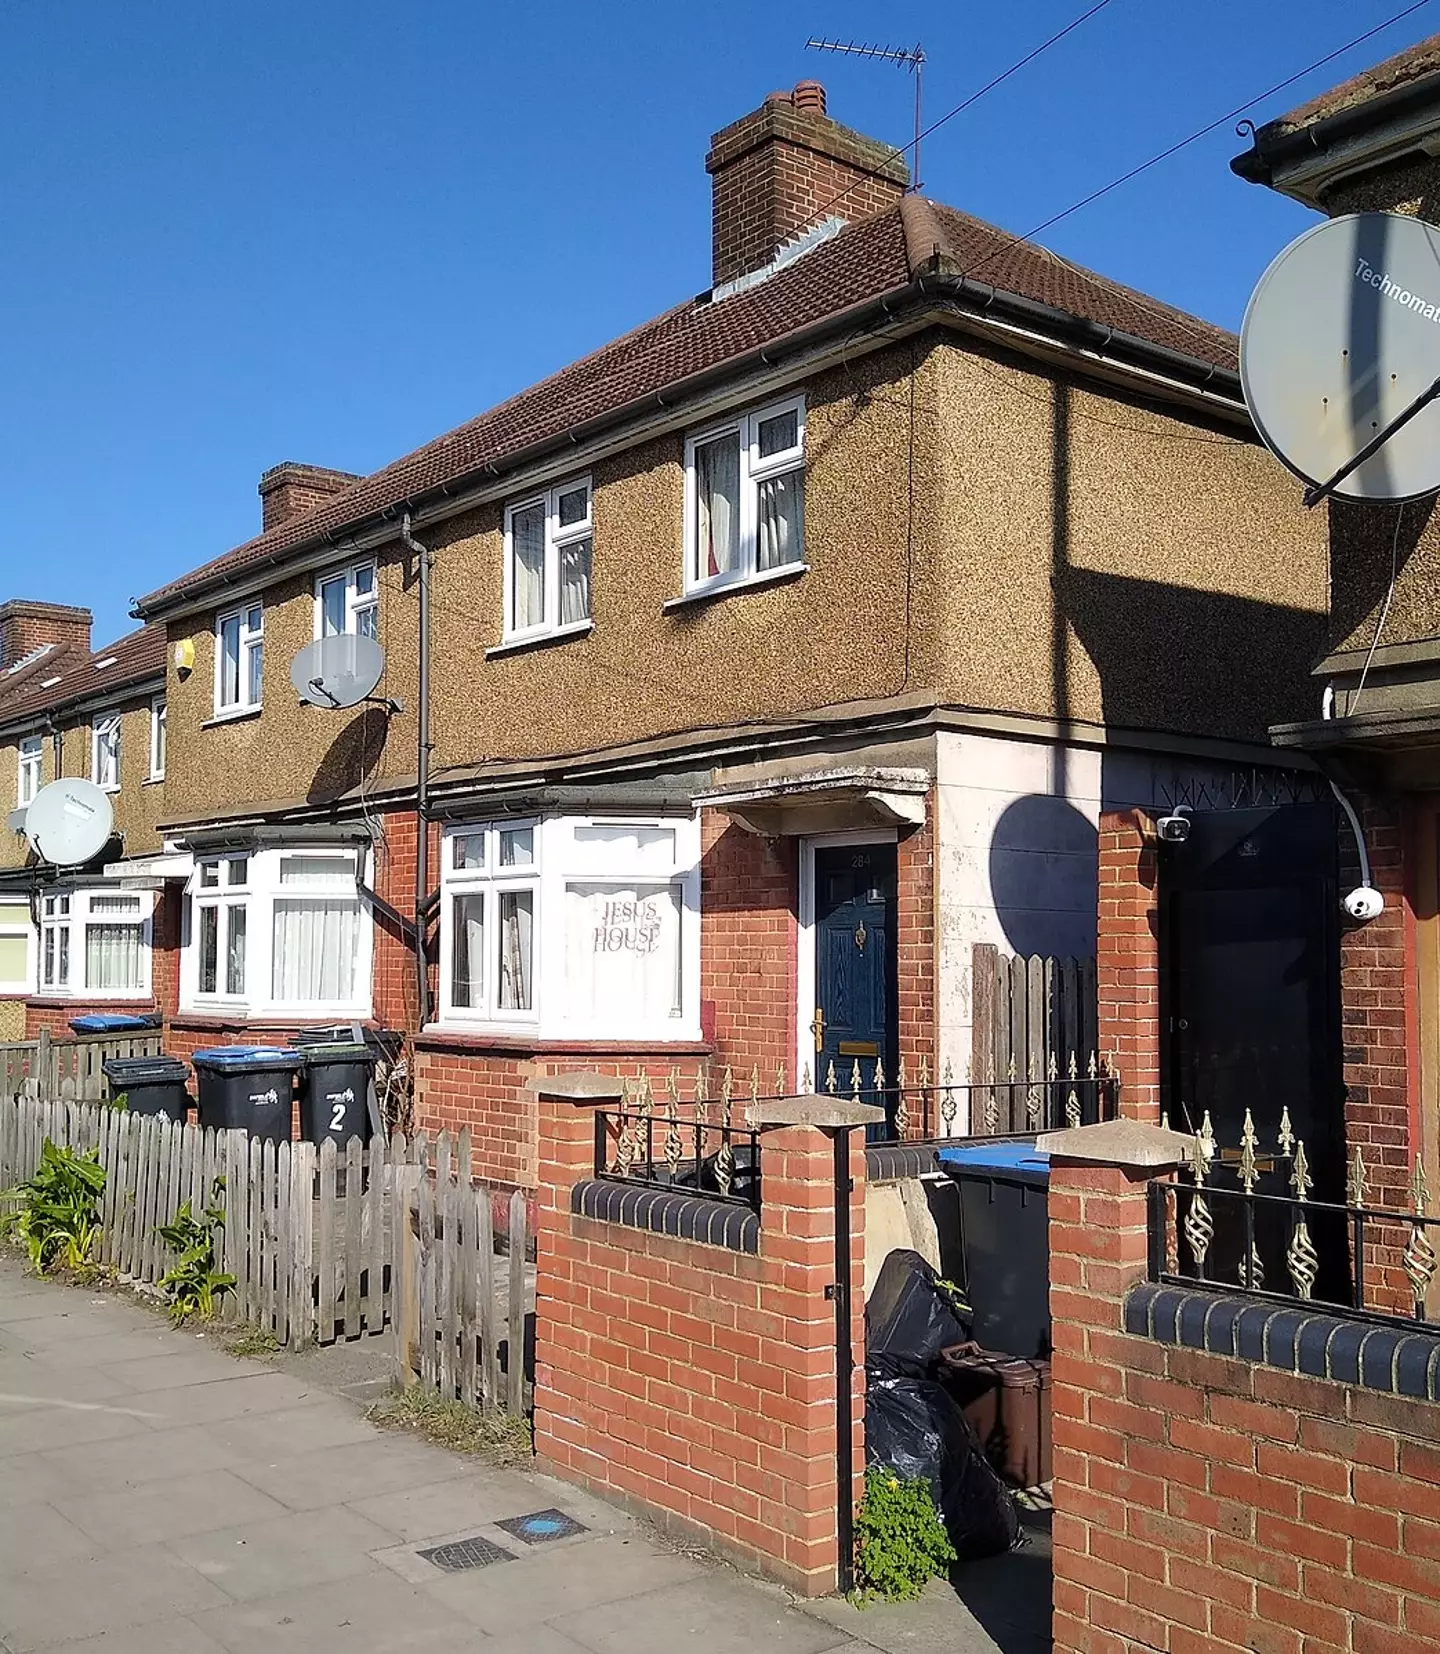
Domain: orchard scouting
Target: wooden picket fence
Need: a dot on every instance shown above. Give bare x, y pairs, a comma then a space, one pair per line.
71, 1069
310, 1235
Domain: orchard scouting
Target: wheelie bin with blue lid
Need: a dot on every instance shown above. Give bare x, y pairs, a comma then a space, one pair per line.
247, 1088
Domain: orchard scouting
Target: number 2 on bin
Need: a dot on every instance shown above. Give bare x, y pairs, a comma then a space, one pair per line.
337, 1117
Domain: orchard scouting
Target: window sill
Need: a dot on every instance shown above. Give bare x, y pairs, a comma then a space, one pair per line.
238, 716
52, 1001
109, 791
561, 634
153, 781
729, 588
438, 1037
225, 1019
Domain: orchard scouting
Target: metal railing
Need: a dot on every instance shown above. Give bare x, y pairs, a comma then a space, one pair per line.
704, 1145
1290, 1248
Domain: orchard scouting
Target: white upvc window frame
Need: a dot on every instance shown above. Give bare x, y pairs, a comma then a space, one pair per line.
558, 540
250, 642
559, 861
360, 608
29, 769
14, 988
105, 734
66, 915
753, 472
257, 892
158, 738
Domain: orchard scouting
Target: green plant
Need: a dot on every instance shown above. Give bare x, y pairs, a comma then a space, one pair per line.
900, 1541
251, 1342
501, 1438
58, 1219
194, 1284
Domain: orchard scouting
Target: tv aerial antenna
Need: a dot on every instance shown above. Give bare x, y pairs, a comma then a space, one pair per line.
910, 58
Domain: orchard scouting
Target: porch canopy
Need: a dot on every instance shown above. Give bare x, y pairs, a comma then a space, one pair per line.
823, 801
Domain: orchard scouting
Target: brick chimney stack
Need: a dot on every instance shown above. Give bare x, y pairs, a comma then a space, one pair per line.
26, 625
288, 489
776, 168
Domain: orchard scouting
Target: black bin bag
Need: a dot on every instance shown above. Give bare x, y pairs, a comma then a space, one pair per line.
909, 1319
913, 1427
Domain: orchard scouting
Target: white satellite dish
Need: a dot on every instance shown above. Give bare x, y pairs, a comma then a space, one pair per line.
1340, 354
68, 822
336, 672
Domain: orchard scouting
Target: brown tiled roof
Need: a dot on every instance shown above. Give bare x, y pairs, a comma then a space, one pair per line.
865, 261
1412, 64
132, 659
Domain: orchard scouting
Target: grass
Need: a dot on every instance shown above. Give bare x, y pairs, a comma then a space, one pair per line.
499, 1438
247, 1341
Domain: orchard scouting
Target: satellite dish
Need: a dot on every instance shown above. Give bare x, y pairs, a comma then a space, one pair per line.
68, 822
1341, 338
336, 672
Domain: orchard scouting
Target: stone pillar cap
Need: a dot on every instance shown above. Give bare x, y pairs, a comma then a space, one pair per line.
579, 1088
1119, 1143
815, 1110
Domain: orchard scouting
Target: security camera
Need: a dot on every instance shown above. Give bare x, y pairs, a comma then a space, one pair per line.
1364, 903
1175, 828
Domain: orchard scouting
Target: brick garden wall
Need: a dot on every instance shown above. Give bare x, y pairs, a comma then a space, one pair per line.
1127, 961
1206, 1505
695, 1381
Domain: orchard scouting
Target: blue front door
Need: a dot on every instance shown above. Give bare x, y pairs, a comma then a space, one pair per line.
855, 1020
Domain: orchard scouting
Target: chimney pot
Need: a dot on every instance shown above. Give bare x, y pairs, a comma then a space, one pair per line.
809, 94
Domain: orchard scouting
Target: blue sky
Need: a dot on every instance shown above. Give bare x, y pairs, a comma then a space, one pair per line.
232, 234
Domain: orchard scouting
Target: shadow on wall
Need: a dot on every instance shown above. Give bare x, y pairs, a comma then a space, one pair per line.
1044, 877
351, 757
1166, 654
1365, 540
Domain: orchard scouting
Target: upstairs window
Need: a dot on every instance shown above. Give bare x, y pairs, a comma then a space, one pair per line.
27, 781
105, 753
239, 659
157, 738
348, 601
547, 563
745, 498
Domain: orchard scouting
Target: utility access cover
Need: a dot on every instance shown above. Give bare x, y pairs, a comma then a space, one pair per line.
541, 1526
462, 1554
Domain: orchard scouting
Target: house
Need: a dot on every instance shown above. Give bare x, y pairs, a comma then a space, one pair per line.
1369, 145
778, 653
87, 942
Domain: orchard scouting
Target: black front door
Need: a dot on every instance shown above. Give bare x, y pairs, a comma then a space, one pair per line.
1250, 944
855, 1018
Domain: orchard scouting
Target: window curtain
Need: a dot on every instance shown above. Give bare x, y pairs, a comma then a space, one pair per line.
517, 928
781, 507
315, 945
527, 534
575, 582
717, 490
467, 981
237, 917
112, 958
622, 955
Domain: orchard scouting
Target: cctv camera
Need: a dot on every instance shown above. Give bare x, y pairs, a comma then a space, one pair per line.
1175, 828
1364, 903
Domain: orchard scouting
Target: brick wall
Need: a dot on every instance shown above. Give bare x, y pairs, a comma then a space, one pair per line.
1127, 960
25, 625
696, 1382
915, 964
1206, 1505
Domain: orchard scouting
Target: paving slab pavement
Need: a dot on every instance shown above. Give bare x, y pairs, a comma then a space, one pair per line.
158, 1496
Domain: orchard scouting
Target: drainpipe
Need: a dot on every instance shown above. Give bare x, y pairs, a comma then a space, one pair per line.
422, 776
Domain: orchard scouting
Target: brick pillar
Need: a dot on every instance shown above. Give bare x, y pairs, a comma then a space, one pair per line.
1127, 965
695, 1381
1099, 1246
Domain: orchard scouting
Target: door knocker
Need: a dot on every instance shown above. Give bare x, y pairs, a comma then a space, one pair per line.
860, 936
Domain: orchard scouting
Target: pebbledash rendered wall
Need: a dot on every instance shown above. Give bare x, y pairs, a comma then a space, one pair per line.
697, 1381
1230, 1474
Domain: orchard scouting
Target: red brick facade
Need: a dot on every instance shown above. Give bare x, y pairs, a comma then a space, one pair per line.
1127, 963
696, 1380
915, 964
1205, 1505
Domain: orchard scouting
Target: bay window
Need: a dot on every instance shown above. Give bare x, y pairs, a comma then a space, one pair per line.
745, 497
239, 660
548, 547
95, 944
276, 932
576, 927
